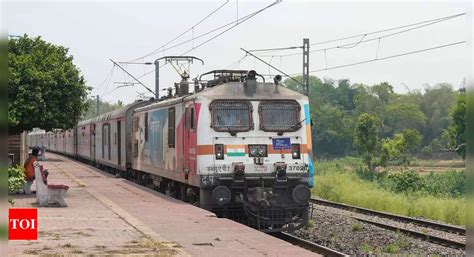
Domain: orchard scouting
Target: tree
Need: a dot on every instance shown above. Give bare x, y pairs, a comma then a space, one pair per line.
436, 104
456, 132
402, 147
45, 88
366, 138
400, 116
104, 107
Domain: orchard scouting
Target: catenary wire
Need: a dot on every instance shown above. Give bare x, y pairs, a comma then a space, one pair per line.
418, 25
186, 31
383, 58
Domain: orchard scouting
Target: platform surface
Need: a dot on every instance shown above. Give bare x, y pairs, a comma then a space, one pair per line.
108, 215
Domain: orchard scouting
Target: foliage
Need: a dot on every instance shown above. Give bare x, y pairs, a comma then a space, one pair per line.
336, 105
401, 116
402, 147
348, 188
16, 178
366, 138
45, 88
442, 184
456, 132
104, 107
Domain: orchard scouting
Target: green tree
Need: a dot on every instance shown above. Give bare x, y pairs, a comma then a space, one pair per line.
456, 132
45, 88
436, 104
104, 107
399, 116
366, 138
402, 146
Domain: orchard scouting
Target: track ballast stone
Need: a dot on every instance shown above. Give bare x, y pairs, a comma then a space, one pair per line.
348, 235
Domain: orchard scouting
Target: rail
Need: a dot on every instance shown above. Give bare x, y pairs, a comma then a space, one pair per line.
426, 223
313, 247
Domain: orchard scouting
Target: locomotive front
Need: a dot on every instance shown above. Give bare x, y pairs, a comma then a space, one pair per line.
254, 153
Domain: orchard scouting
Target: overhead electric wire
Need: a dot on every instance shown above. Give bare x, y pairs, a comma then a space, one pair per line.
237, 22
275, 49
236, 62
186, 31
389, 29
350, 45
383, 58
106, 80
235, 25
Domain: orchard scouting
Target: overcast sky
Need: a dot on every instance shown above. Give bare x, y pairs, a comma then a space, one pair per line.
97, 31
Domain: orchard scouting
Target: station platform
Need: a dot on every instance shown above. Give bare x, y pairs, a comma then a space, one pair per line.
113, 216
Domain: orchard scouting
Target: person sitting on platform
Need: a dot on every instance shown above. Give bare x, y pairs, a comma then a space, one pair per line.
30, 171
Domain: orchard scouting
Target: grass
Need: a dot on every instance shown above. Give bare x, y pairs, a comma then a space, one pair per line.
357, 227
333, 184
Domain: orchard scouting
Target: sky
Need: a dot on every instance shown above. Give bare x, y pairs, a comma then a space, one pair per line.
96, 31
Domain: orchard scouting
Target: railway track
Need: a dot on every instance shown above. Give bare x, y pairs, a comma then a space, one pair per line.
424, 235
308, 245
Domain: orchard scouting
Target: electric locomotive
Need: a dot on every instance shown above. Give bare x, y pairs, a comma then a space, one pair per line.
238, 146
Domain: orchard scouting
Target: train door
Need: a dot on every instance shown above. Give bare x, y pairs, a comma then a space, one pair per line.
92, 141
190, 141
106, 141
186, 140
119, 142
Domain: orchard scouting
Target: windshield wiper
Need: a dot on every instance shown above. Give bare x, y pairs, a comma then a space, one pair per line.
297, 124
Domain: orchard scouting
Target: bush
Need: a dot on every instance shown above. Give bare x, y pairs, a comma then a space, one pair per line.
350, 189
16, 178
405, 182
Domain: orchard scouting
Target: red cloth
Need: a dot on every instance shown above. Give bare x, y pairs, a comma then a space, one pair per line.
30, 169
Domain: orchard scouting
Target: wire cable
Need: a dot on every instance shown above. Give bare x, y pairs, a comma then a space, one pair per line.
389, 29
186, 31
383, 58
351, 45
237, 22
234, 23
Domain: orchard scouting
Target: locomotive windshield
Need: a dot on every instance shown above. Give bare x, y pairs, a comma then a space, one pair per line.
231, 116
279, 116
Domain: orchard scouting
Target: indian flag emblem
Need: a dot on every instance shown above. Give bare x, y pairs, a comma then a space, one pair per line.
235, 150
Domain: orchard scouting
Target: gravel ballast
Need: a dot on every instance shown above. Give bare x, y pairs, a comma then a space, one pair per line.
337, 230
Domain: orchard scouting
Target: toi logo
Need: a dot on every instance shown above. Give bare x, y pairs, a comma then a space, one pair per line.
23, 224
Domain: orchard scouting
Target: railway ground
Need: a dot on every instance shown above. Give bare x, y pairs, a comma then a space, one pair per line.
108, 215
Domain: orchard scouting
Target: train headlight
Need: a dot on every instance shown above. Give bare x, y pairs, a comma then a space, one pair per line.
219, 151
253, 151
221, 195
258, 151
296, 151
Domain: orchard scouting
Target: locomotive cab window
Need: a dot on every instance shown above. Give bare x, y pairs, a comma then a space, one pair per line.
279, 116
231, 116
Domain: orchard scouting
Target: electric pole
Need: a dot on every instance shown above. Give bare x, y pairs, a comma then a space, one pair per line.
97, 104
306, 65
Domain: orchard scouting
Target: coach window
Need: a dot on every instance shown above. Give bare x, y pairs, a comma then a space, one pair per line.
146, 126
171, 127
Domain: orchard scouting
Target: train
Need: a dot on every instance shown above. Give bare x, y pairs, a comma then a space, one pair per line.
238, 146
